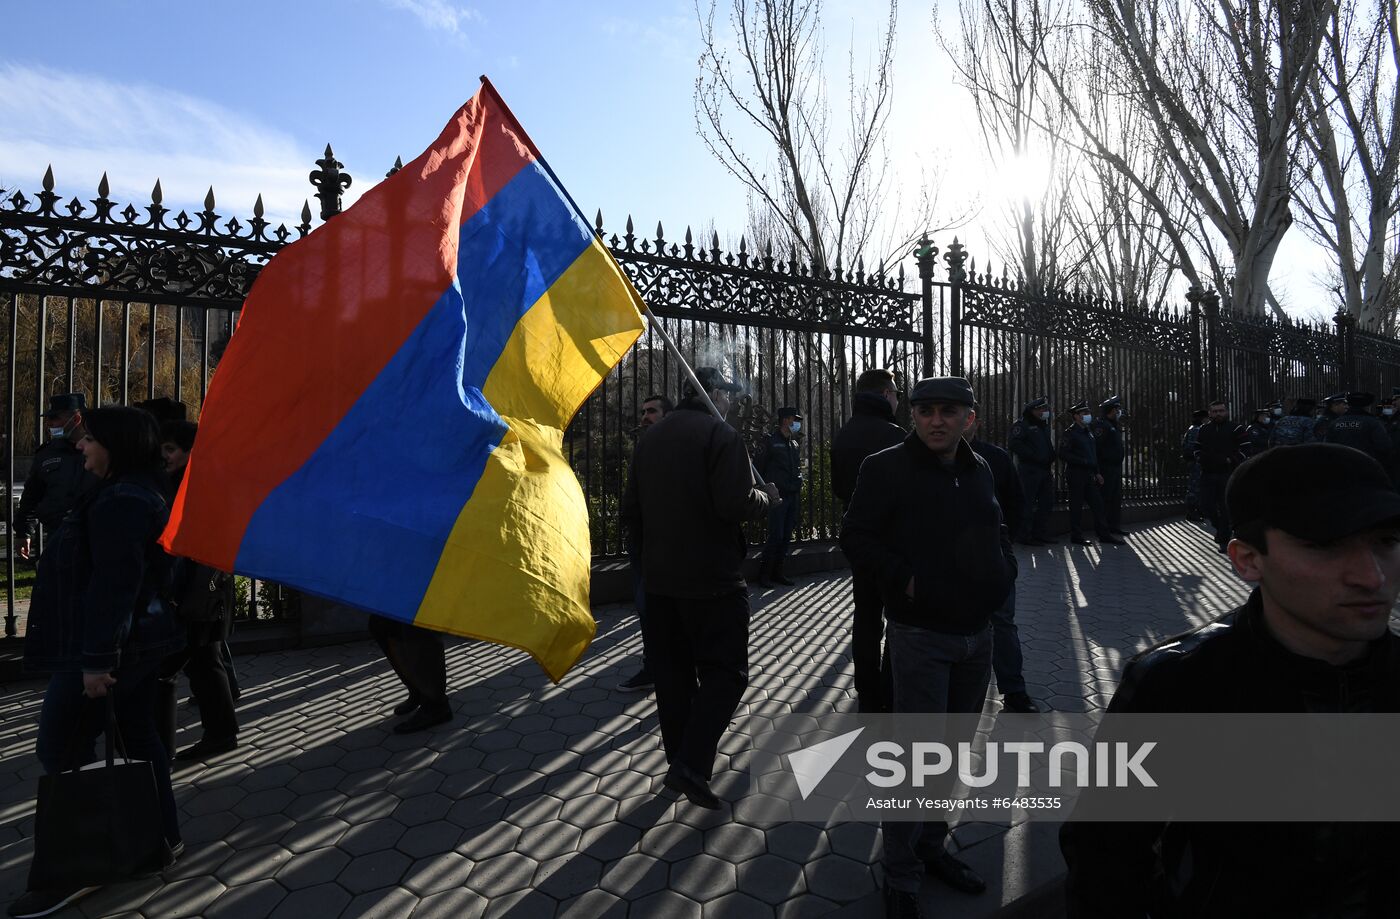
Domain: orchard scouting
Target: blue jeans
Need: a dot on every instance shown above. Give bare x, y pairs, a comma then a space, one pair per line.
1006, 647
70, 724
933, 672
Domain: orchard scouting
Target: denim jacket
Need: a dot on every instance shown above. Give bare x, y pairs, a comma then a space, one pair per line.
99, 597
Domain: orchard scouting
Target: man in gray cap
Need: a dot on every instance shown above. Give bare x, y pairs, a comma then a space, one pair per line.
56, 475
925, 518
780, 462
1313, 636
1360, 429
689, 491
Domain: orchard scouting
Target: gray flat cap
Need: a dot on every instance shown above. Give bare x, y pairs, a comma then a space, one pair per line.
943, 389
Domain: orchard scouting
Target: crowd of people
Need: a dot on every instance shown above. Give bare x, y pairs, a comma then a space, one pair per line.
930, 517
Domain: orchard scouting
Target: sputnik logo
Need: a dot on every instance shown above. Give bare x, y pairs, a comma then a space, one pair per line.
811, 765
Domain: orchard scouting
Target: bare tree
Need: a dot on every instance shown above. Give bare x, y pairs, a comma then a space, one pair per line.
1349, 180
826, 197
1222, 85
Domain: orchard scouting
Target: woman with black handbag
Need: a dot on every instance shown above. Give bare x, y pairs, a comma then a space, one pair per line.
99, 626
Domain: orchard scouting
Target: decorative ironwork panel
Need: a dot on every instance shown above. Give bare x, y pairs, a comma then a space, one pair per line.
1373, 347
1293, 341
681, 278
1002, 305
99, 251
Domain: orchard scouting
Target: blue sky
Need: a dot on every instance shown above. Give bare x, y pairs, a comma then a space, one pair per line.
244, 96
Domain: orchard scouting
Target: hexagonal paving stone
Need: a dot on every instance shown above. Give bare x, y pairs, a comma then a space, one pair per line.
589, 810
181, 899
735, 842
568, 875
840, 879
488, 840
860, 841
595, 904
372, 806
314, 834
307, 869
429, 839
548, 840
502, 874
215, 801
418, 782
259, 898
199, 859
323, 900
424, 808
478, 810
771, 878
798, 842
703, 877
322, 779
372, 836
388, 903
735, 905
672, 842
312, 805
667, 903
533, 811
437, 872
248, 865
373, 871
634, 876
519, 782
275, 776
264, 803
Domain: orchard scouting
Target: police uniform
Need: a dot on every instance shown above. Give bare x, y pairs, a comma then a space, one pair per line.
1080, 456
56, 476
1108, 446
1328, 416
1193, 466
1297, 427
1360, 429
1029, 442
1256, 436
780, 462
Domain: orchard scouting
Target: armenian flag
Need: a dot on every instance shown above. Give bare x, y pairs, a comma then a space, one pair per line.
385, 428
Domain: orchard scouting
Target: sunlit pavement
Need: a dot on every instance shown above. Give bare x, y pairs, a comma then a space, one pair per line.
542, 800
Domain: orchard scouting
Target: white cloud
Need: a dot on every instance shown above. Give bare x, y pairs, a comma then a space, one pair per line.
438, 14
84, 126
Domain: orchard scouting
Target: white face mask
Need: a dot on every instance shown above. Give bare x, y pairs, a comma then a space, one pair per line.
1278, 413
796, 427
1087, 419
55, 433
1043, 416
1267, 420
1387, 412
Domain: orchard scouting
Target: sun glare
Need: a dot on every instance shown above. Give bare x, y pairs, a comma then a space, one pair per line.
1023, 177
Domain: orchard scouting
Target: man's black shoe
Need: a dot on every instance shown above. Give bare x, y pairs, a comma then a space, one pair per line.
1113, 540
429, 716
956, 874
1019, 703
207, 747
901, 904
683, 779
37, 903
407, 705
642, 682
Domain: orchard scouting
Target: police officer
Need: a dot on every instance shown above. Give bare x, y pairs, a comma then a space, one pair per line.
780, 462
1296, 427
1108, 444
56, 475
1333, 407
1360, 429
1256, 436
1193, 468
1080, 456
1030, 444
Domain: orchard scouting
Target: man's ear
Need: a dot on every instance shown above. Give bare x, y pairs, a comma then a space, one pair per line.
1247, 560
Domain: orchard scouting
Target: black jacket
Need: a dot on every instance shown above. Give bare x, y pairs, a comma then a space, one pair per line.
870, 429
1171, 870
1361, 430
913, 517
97, 596
1029, 442
1256, 438
1108, 442
1077, 449
1008, 483
780, 461
1218, 446
56, 480
689, 490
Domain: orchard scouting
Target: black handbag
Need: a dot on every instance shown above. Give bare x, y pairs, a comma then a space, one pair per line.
99, 824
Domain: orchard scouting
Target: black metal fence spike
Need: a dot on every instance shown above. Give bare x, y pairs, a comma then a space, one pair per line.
688, 239
743, 244
629, 224
306, 211
258, 207
660, 235
598, 221
48, 178
103, 187
156, 194
209, 199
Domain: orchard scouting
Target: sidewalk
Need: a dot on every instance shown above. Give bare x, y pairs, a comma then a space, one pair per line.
546, 800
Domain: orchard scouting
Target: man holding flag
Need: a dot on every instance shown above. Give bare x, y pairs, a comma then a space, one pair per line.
690, 489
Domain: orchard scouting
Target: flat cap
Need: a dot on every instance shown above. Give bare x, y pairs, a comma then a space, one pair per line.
943, 389
1034, 404
1335, 397
1110, 403
789, 411
1332, 492
1080, 406
1360, 399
